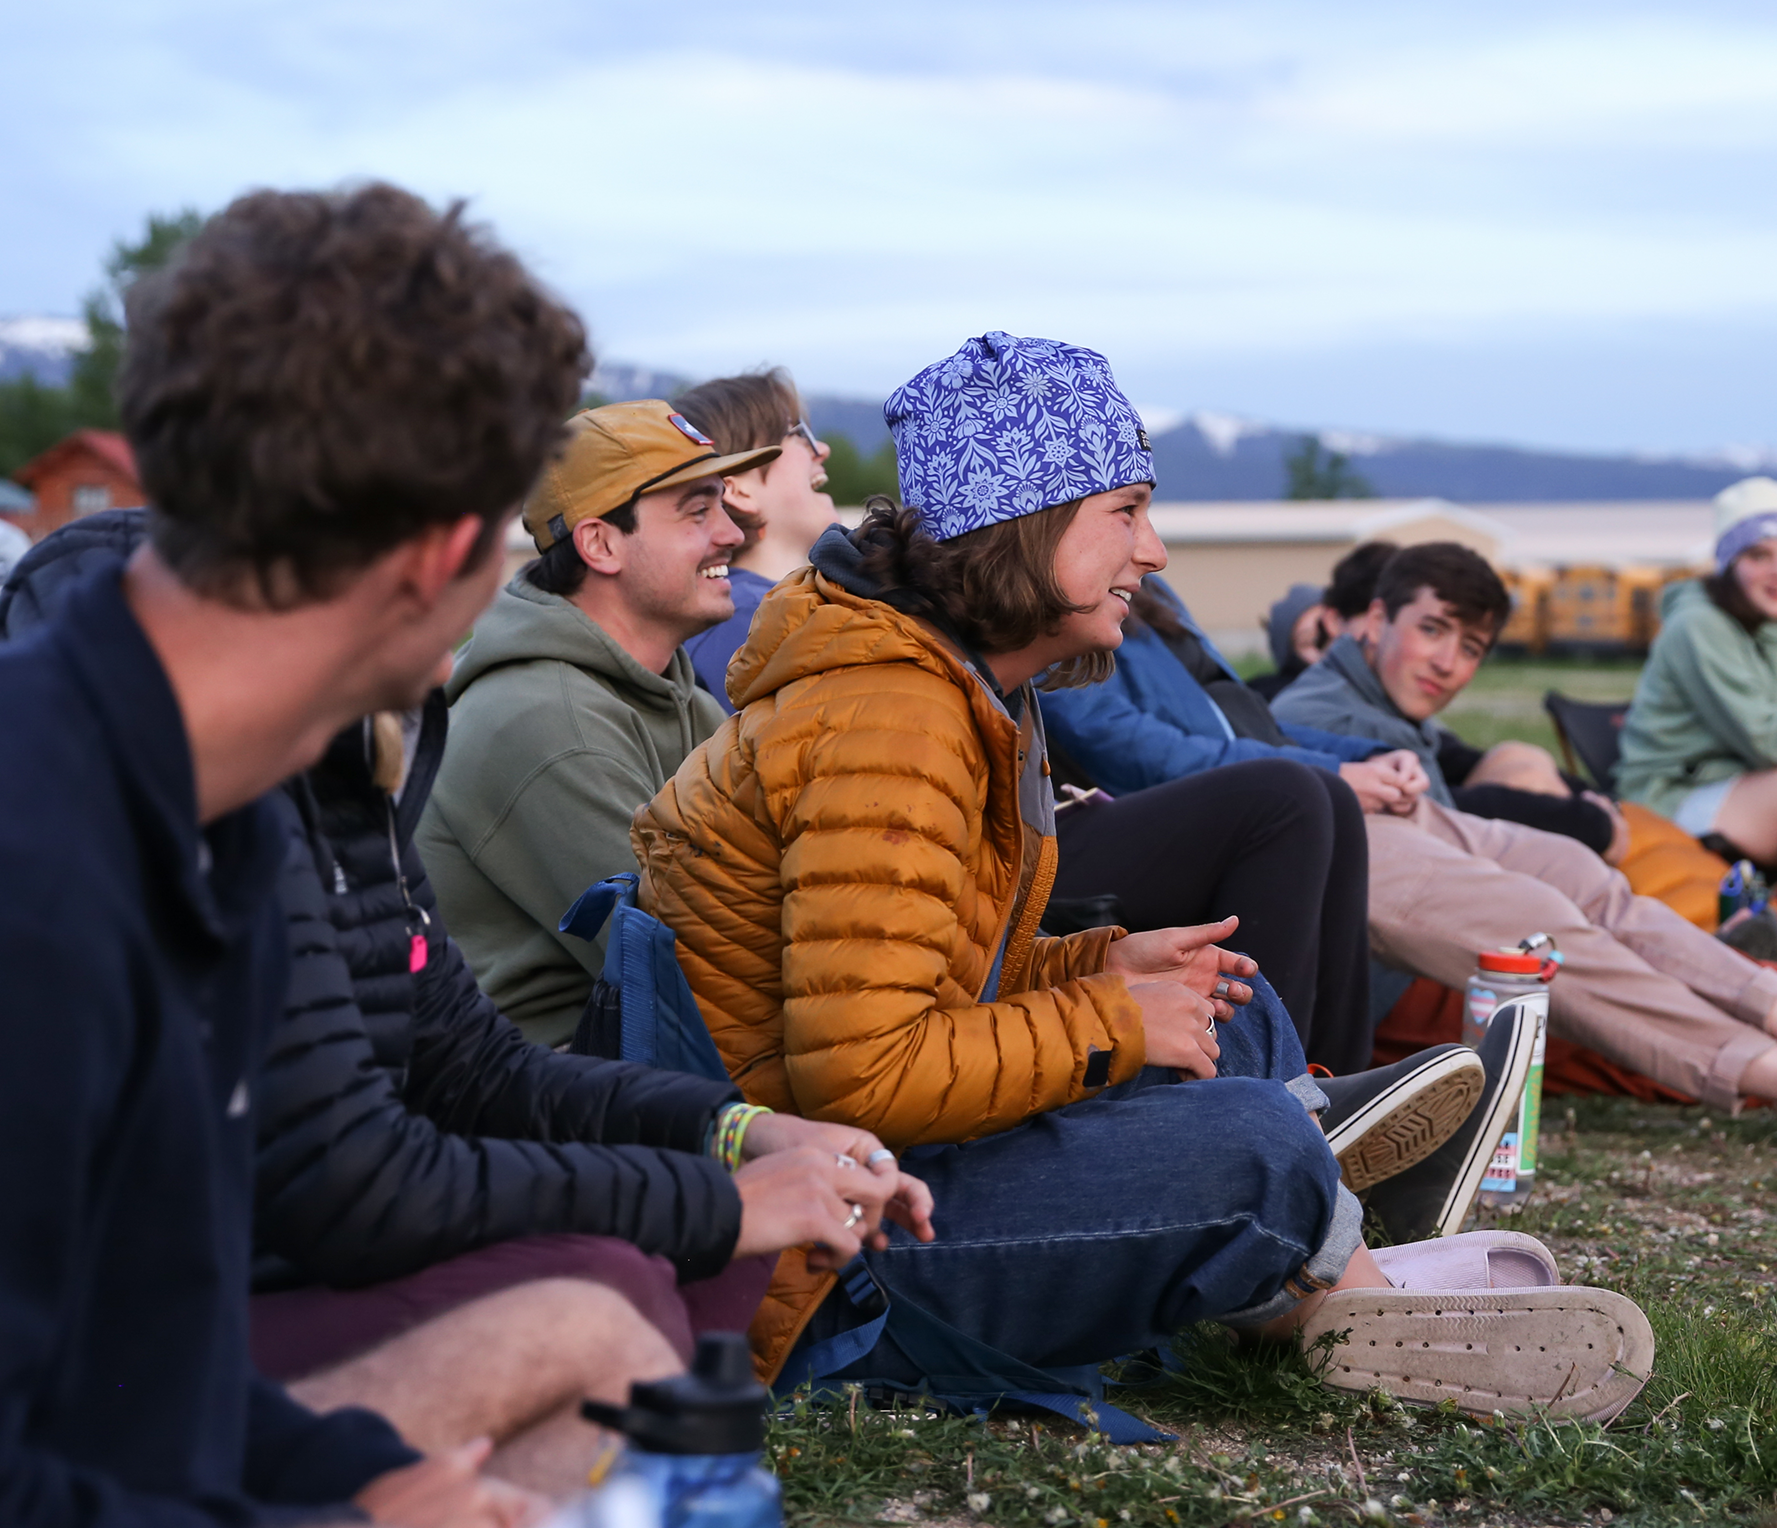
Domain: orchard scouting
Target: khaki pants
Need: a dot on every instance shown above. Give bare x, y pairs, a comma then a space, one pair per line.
1639, 984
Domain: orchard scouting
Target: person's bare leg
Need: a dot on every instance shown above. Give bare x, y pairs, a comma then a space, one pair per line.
1748, 815
505, 1366
1361, 1272
1522, 766
555, 1456
1759, 1080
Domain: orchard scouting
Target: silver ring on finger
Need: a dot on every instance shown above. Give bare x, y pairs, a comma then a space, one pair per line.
857, 1214
1222, 987
840, 1159
1210, 1029
881, 1154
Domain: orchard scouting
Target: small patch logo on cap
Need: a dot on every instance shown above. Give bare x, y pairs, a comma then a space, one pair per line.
690, 431
1141, 438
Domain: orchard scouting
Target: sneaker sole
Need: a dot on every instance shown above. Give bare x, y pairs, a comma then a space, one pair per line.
1408, 1121
1467, 1182
1583, 1353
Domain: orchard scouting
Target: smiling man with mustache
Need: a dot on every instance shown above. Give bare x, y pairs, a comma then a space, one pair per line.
575, 702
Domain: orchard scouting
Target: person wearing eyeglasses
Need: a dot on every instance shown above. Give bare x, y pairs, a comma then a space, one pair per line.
779, 505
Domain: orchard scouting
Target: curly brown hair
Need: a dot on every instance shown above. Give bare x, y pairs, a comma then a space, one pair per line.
995, 587
320, 376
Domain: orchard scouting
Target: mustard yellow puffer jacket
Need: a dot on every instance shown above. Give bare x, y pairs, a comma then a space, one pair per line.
839, 864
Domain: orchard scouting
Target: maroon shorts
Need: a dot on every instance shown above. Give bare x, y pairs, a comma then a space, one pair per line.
298, 1332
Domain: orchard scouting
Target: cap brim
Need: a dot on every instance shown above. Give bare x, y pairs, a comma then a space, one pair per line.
721, 466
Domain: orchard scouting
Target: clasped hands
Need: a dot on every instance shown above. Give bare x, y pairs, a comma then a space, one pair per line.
1184, 981
1389, 782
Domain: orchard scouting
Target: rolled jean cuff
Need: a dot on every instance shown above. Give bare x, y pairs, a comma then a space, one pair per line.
1308, 1091
1324, 1268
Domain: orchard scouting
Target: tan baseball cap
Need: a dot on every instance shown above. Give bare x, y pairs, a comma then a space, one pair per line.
618, 452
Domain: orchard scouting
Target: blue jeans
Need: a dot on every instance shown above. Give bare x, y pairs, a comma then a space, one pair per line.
1105, 1227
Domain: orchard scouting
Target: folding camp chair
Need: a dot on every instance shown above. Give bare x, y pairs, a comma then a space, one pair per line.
1590, 734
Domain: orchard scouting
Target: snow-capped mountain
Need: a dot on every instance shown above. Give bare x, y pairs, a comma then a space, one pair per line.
1221, 456
39, 347
1201, 455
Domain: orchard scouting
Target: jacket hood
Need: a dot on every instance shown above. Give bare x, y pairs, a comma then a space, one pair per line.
525, 625
62, 559
1346, 659
830, 615
1681, 596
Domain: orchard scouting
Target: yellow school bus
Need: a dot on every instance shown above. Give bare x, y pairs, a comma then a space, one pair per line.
1590, 608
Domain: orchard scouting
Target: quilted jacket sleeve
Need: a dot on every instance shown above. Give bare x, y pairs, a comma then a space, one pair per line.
853, 855
354, 1186
1054, 961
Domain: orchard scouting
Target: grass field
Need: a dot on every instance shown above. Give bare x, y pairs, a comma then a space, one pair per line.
1669, 1205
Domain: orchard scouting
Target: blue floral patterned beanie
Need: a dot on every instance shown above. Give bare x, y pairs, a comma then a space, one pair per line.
1009, 426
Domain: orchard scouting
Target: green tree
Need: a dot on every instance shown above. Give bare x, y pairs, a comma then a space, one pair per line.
34, 417
93, 380
1310, 475
852, 477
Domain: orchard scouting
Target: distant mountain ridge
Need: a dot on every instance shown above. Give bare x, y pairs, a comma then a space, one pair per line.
1205, 455
1216, 456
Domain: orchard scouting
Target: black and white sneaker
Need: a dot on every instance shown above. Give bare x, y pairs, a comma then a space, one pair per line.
1382, 1121
1434, 1197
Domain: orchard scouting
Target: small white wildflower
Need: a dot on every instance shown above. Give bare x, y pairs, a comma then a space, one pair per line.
1715, 1424
1033, 1492
979, 1502
1055, 1515
1374, 1511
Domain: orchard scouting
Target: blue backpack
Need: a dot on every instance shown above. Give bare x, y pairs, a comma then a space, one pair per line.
642, 1010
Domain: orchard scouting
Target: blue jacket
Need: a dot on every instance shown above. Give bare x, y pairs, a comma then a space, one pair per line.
141, 966
711, 651
1151, 722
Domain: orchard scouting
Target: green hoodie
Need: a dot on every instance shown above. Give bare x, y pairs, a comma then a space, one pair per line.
1706, 705
557, 735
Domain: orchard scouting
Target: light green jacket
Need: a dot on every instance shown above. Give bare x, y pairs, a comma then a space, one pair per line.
1706, 706
556, 737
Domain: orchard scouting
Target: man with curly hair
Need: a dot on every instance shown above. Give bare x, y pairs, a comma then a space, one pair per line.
336, 402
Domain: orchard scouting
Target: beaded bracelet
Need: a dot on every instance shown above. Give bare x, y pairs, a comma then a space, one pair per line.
731, 1131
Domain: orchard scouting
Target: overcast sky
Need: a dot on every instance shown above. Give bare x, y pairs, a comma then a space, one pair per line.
1549, 223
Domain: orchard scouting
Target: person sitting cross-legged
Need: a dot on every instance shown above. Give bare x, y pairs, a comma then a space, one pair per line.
1274, 848
855, 868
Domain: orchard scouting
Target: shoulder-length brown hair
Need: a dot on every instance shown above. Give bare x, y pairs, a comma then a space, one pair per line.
996, 587
1728, 596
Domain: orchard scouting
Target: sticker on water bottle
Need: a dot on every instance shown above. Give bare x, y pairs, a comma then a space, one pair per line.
1502, 1172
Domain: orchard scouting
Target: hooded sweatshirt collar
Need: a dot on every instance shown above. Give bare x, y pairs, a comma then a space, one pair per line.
1346, 659
220, 872
835, 556
525, 625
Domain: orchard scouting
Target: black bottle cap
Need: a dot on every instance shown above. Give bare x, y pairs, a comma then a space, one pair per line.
718, 1408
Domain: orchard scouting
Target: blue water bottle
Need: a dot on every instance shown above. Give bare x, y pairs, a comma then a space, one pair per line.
695, 1441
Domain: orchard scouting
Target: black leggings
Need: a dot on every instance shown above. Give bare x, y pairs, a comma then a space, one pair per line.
1280, 844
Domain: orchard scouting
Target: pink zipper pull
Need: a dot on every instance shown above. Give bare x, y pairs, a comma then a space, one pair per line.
416, 954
